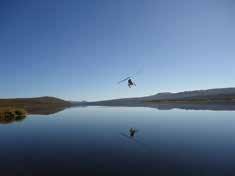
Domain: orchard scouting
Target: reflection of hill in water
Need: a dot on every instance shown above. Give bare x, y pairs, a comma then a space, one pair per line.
7, 120
44, 110
212, 106
219, 106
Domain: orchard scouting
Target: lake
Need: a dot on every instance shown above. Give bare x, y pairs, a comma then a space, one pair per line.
96, 141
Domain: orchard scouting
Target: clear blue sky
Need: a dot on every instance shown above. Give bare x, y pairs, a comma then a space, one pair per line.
79, 50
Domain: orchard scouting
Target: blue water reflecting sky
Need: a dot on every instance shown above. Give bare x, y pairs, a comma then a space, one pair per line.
94, 140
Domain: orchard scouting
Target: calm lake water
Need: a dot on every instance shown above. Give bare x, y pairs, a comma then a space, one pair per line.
95, 141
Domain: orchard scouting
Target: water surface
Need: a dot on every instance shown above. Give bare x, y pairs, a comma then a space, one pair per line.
95, 141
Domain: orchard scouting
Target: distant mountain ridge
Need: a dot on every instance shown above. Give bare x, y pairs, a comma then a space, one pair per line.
218, 94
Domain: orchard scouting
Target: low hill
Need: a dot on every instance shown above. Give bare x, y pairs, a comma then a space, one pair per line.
38, 105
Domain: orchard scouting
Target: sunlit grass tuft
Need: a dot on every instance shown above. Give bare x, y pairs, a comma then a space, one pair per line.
10, 114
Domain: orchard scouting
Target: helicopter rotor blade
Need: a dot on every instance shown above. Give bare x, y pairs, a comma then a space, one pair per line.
124, 80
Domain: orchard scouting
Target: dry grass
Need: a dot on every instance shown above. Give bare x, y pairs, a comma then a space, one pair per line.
10, 114
36, 105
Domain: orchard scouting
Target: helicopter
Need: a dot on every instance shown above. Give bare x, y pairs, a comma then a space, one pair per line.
129, 80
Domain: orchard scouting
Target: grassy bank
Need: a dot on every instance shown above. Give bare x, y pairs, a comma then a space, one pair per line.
10, 114
40, 105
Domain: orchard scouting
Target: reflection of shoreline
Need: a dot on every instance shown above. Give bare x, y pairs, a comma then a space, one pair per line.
216, 106
209, 106
47, 110
44, 110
